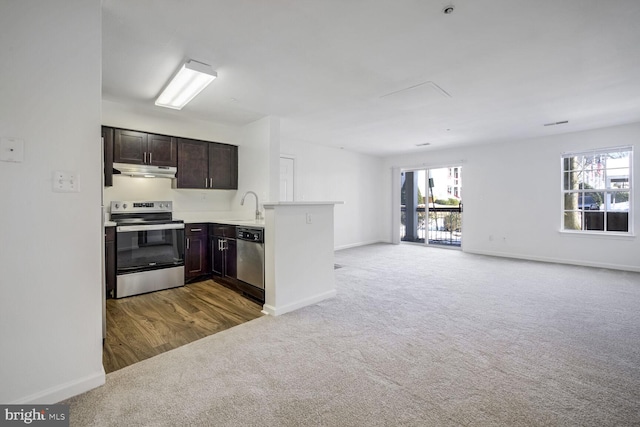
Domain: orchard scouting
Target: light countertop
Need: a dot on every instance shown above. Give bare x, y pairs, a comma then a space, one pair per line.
207, 218
240, 222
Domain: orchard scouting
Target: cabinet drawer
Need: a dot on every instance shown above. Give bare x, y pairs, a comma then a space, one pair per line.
223, 230
193, 229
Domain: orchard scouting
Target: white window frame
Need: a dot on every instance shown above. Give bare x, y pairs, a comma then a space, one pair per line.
606, 191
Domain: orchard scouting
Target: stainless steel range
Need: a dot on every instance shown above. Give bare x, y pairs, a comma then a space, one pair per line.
150, 247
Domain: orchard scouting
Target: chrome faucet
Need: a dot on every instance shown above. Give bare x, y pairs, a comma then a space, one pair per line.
257, 209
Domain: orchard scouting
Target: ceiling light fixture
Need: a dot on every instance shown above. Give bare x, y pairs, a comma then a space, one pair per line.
189, 81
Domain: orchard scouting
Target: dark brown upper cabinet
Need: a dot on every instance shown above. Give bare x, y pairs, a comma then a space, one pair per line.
223, 166
107, 145
207, 165
142, 148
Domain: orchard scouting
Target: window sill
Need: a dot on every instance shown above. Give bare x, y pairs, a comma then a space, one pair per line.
599, 234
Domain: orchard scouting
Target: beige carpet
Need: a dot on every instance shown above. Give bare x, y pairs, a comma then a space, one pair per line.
416, 337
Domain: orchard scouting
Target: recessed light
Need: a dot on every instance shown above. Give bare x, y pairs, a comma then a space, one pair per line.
448, 10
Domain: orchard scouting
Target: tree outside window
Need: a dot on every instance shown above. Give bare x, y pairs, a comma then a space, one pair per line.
596, 190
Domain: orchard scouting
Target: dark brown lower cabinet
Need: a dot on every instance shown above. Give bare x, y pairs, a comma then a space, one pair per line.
110, 260
223, 252
196, 254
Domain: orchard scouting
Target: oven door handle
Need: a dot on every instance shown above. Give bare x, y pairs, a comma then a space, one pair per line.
125, 228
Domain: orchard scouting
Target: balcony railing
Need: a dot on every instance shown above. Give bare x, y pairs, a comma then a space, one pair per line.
441, 225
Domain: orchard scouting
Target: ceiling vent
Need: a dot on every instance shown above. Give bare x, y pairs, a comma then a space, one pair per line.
557, 123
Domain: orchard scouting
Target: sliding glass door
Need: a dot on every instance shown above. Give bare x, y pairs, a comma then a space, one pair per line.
431, 206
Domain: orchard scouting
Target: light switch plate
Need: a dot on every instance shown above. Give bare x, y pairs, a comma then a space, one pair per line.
66, 182
11, 150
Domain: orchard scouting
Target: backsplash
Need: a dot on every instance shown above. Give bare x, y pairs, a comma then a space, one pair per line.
141, 189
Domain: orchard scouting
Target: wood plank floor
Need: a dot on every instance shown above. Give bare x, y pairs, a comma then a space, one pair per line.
143, 326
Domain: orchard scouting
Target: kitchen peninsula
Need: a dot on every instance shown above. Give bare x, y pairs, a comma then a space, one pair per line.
299, 255
299, 245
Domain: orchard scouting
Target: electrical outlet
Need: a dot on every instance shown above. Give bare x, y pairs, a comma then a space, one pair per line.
66, 182
309, 218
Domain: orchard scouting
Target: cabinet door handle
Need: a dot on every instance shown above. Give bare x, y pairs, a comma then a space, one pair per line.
193, 230
144, 157
220, 244
210, 182
187, 243
205, 183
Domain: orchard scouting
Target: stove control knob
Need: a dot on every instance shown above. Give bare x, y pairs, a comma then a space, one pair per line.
124, 206
117, 206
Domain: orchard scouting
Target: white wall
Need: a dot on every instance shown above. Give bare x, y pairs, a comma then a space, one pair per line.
512, 192
329, 174
51, 273
260, 146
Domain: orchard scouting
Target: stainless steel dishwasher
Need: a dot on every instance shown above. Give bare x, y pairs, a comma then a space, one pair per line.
250, 256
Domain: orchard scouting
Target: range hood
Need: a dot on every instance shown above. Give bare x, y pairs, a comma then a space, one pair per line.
146, 171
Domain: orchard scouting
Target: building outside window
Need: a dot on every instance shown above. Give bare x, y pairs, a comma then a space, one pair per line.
596, 190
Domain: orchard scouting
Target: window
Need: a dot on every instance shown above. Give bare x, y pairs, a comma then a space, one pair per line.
596, 190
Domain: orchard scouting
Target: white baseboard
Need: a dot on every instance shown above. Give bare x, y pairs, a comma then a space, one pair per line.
64, 391
277, 311
355, 245
557, 260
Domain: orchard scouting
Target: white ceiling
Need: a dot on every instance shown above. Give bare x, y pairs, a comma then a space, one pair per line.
369, 75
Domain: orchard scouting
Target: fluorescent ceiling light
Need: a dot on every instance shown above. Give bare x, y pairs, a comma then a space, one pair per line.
190, 80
